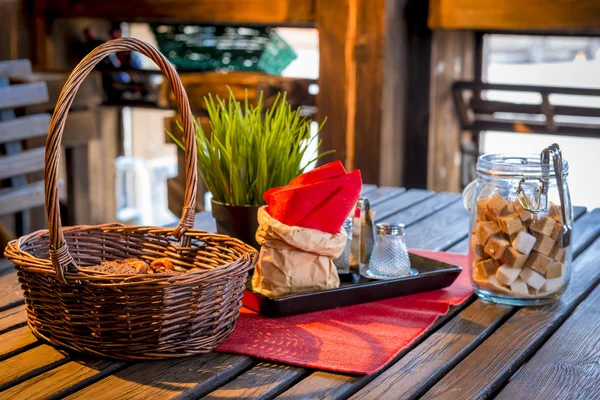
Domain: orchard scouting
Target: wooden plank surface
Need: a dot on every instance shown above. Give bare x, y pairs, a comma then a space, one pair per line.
382, 194
29, 363
489, 366
25, 127
423, 209
12, 318
15, 68
16, 340
24, 198
424, 365
26, 94
514, 15
10, 291
263, 381
62, 380
190, 377
567, 366
22, 163
440, 230
390, 207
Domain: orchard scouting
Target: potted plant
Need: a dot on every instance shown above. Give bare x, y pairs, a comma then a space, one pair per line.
249, 151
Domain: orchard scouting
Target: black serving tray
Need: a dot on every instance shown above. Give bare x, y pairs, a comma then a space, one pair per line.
355, 289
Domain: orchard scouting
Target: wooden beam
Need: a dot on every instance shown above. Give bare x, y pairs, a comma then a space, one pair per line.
22, 163
351, 43
521, 15
15, 96
282, 12
23, 128
452, 55
15, 68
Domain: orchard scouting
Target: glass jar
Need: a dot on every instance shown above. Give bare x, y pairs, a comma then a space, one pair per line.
521, 226
390, 257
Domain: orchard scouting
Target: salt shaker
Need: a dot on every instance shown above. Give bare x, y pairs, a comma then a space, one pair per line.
390, 256
342, 263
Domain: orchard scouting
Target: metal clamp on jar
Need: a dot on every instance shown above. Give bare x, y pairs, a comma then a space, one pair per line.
520, 242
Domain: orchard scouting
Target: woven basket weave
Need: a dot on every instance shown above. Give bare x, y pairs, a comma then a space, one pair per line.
129, 317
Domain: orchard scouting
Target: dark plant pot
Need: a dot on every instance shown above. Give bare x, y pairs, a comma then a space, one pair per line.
240, 222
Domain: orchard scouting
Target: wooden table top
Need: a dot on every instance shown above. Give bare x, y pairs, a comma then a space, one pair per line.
477, 350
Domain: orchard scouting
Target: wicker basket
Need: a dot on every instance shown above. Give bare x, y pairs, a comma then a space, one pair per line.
129, 317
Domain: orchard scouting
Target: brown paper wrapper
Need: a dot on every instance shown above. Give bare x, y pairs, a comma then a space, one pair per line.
295, 260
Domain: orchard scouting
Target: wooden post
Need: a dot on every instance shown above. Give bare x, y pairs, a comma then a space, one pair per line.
351, 43
452, 55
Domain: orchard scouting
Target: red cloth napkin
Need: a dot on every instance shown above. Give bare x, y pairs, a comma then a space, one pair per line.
358, 339
319, 199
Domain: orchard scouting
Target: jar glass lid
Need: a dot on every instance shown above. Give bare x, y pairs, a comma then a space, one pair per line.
504, 165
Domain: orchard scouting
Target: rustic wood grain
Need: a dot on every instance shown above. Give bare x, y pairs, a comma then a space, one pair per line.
489, 366
10, 291
424, 365
365, 52
25, 127
15, 68
263, 381
199, 11
514, 15
404, 200
440, 230
567, 365
62, 380
15, 96
367, 188
190, 377
22, 163
23, 198
12, 318
16, 340
383, 193
332, 20
423, 209
28, 364
452, 58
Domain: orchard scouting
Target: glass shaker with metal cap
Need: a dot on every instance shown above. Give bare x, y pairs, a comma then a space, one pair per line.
390, 256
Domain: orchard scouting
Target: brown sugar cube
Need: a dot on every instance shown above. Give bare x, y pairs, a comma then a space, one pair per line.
496, 247
496, 207
557, 232
481, 209
558, 252
554, 270
523, 213
538, 262
544, 225
478, 271
489, 266
555, 212
485, 230
532, 291
514, 258
543, 244
510, 224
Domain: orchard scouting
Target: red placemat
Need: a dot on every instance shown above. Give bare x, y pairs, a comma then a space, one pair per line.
358, 339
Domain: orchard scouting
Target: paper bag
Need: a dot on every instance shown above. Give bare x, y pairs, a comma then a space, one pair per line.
295, 260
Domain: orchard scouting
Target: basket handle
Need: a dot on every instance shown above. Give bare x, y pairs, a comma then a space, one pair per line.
59, 252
